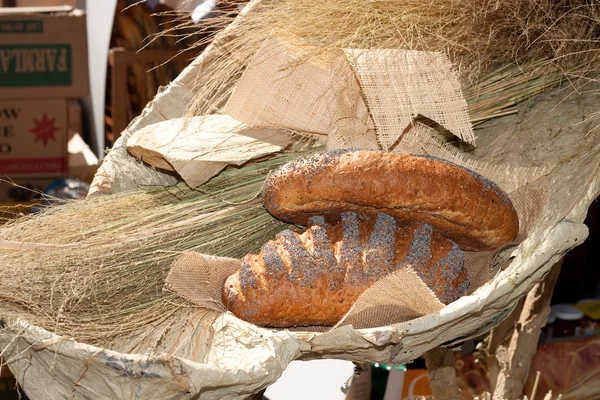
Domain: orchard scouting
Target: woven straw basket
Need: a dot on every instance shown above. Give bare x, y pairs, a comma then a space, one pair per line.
213, 355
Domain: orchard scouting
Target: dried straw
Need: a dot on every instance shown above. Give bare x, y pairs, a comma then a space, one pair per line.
499, 93
478, 36
95, 269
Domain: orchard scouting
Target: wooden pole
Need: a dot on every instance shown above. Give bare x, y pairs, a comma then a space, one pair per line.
512, 345
442, 374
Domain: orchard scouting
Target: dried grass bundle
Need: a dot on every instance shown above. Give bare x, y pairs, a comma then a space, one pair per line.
95, 269
478, 36
499, 93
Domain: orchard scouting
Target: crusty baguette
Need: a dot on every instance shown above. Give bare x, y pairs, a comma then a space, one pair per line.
458, 203
313, 278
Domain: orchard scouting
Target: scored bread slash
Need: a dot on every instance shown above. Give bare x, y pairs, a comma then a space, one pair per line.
458, 203
315, 277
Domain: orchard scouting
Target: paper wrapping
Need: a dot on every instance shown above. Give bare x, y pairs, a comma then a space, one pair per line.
119, 172
199, 148
220, 356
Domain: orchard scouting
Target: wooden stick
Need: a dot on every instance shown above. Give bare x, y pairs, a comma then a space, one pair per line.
513, 350
442, 374
535, 385
548, 396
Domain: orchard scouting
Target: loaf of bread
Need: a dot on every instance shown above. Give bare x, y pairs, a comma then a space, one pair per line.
313, 278
458, 203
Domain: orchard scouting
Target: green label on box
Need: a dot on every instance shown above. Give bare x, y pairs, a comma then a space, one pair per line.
35, 65
25, 26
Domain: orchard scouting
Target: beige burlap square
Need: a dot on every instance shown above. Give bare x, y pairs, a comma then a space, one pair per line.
398, 85
293, 85
199, 278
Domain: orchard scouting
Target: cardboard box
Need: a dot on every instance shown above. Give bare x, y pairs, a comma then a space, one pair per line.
33, 138
43, 54
407, 384
83, 163
75, 117
22, 179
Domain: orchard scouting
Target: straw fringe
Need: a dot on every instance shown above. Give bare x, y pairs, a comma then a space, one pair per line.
477, 35
95, 269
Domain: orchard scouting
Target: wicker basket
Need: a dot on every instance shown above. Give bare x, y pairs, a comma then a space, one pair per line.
221, 356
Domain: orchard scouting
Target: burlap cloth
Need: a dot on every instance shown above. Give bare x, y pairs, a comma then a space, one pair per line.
290, 84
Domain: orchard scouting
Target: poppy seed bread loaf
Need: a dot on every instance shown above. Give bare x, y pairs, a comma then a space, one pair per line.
458, 203
313, 278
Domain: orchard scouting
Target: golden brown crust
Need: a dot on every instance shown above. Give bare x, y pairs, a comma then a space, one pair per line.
313, 278
458, 203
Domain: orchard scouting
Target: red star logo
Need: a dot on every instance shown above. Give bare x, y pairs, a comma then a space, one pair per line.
44, 129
